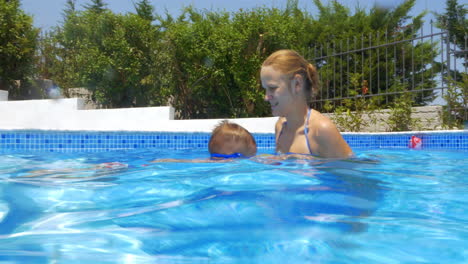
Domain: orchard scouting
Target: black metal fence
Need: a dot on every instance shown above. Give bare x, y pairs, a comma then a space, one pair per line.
385, 65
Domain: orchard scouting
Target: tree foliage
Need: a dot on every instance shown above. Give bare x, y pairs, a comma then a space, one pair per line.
455, 21
346, 44
216, 58
96, 6
112, 55
456, 109
18, 40
206, 63
145, 10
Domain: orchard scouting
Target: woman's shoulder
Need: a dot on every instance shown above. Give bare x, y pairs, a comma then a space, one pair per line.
280, 120
329, 139
320, 121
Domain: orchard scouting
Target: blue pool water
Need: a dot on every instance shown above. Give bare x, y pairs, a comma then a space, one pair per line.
385, 206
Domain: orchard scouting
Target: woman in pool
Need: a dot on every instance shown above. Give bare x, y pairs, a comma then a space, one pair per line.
290, 82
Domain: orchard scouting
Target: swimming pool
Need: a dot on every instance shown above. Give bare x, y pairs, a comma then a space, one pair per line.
389, 205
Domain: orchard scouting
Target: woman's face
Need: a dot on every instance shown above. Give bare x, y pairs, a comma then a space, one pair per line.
277, 90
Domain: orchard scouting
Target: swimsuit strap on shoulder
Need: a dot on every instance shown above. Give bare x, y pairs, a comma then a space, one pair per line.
306, 132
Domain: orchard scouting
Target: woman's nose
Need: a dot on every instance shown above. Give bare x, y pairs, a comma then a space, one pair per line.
267, 97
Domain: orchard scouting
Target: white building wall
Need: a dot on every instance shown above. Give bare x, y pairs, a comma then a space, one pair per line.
70, 114
3, 95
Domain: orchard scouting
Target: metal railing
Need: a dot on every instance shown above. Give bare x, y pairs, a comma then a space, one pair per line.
389, 64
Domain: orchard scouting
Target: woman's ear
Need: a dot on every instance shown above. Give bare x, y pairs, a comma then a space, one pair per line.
297, 84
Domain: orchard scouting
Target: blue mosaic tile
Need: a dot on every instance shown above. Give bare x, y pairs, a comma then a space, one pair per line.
430, 140
69, 141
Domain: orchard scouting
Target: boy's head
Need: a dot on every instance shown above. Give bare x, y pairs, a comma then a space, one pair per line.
230, 140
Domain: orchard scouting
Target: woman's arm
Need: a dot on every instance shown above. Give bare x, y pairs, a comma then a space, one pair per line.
278, 128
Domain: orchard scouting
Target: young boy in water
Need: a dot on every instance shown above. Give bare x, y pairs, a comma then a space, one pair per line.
228, 141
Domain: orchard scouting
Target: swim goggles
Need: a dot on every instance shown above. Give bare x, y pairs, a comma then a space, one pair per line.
217, 156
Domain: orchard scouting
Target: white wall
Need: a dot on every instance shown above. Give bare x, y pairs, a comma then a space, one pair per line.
426, 117
3, 95
68, 114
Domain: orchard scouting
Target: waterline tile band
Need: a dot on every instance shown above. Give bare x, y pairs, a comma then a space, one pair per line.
86, 141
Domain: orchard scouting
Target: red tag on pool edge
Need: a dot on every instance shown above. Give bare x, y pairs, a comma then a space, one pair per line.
415, 142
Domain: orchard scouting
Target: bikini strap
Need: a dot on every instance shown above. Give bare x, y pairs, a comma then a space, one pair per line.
306, 131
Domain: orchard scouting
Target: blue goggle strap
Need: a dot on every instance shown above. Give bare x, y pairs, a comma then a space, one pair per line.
217, 156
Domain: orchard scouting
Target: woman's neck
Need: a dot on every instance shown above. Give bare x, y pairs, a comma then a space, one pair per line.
297, 117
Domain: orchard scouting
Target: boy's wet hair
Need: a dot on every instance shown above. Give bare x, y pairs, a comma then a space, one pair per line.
226, 132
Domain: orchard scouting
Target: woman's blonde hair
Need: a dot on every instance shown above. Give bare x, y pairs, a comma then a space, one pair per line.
290, 62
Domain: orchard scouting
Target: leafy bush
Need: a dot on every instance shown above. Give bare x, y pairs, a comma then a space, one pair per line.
18, 39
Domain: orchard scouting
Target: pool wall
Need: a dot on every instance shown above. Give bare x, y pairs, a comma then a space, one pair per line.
89, 141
